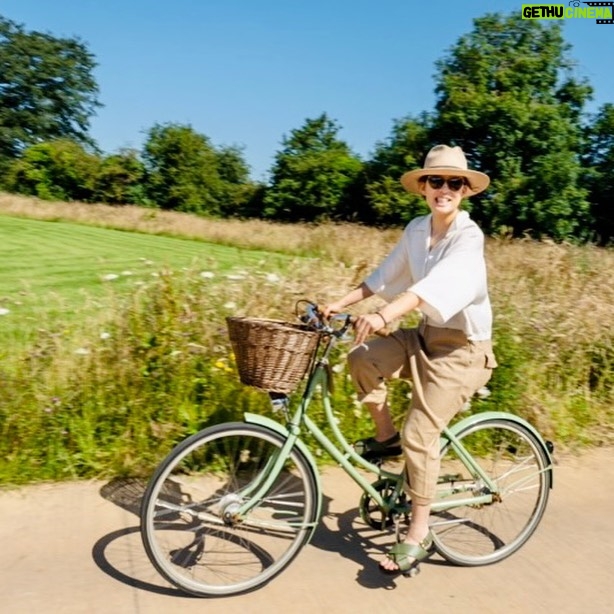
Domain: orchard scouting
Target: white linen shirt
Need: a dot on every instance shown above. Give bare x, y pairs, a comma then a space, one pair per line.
450, 279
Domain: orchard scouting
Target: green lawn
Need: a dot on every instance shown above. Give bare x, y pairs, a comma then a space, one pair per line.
50, 269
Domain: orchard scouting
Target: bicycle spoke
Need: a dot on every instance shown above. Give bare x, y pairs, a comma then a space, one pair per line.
478, 534
194, 529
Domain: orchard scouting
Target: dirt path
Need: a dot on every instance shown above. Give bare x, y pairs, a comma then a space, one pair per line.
75, 548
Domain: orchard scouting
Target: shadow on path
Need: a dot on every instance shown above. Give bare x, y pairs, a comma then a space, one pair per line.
343, 533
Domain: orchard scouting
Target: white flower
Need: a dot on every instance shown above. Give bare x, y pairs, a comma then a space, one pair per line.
235, 277
230, 305
273, 278
338, 368
483, 393
207, 275
82, 351
110, 277
105, 335
127, 273
4, 311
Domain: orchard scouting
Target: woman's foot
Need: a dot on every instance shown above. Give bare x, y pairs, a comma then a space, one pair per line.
371, 448
405, 556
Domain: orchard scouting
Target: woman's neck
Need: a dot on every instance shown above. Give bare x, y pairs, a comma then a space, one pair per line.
441, 223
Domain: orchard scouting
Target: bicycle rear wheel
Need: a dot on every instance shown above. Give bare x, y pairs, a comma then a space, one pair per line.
190, 527
480, 534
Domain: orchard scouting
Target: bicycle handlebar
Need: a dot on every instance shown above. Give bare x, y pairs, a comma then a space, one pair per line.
313, 317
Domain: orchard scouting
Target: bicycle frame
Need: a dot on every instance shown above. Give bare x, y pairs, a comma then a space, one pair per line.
344, 454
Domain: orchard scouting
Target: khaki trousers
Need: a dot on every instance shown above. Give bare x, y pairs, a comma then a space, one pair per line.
446, 370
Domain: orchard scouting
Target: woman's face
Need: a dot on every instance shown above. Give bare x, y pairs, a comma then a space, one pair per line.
444, 193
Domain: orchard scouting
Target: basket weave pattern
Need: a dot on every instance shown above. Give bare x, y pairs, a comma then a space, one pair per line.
271, 355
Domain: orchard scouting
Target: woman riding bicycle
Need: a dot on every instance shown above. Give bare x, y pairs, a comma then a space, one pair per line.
438, 268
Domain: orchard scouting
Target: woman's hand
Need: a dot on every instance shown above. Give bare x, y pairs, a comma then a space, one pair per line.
367, 325
331, 309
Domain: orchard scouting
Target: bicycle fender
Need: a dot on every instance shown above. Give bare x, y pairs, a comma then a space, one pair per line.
490, 415
275, 426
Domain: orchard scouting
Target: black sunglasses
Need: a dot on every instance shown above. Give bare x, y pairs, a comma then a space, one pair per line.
454, 183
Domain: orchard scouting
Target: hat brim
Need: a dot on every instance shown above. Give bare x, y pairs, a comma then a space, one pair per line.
478, 182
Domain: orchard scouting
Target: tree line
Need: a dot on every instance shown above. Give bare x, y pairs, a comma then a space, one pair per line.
506, 92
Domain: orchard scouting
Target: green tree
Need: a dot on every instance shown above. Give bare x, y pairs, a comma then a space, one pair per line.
600, 162
55, 170
312, 175
182, 170
120, 179
185, 172
237, 191
387, 202
506, 94
47, 90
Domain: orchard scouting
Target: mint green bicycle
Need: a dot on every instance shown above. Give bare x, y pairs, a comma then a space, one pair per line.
231, 506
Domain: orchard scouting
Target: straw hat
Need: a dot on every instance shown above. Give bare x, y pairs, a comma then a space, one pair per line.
450, 161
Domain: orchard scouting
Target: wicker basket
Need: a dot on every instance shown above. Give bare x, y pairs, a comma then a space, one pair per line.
271, 355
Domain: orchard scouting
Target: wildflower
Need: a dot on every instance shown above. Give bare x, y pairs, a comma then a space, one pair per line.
82, 351
483, 393
207, 275
273, 278
235, 277
4, 311
104, 335
127, 273
110, 277
222, 365
230, 305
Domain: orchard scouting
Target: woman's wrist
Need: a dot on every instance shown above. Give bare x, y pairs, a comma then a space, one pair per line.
379, 313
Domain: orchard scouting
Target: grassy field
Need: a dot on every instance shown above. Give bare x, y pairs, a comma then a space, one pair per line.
61, 270
114, 346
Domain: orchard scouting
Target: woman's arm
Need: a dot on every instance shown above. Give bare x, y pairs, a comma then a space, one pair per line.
360, 293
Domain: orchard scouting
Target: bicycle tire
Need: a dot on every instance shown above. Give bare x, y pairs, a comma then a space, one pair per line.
188, 526
512, 456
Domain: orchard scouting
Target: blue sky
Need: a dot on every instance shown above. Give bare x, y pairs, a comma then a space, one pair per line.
247, 72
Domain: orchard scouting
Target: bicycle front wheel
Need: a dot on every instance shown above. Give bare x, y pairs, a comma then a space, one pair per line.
484, 533
191, 522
